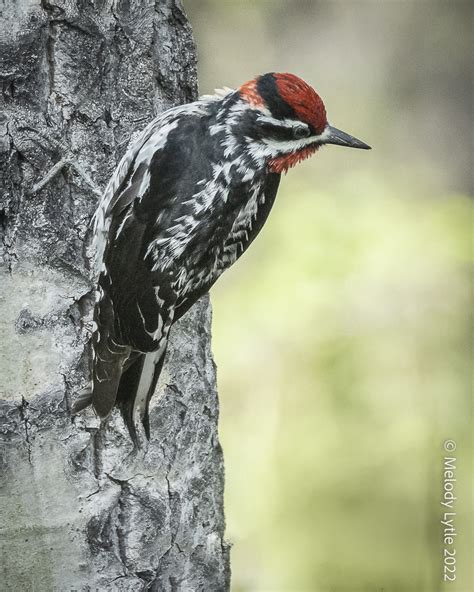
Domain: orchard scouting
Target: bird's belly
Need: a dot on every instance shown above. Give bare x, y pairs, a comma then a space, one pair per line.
204, 273
202, 269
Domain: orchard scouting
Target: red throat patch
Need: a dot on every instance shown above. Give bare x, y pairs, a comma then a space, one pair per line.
281, 164
304, 100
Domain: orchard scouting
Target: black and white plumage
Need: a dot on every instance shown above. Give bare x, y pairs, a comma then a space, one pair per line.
186, 200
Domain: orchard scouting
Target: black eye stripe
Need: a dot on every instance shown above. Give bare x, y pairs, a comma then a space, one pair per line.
284, 133
277, 132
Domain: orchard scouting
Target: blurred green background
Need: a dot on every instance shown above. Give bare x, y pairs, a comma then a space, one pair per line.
342, 336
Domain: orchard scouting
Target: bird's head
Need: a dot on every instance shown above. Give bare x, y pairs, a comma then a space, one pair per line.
286, 121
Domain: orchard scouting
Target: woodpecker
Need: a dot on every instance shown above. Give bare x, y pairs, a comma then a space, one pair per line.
186, 200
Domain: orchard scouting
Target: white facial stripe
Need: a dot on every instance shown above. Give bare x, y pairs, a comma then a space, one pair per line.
324, 135
265, 110
286, 123
289, 145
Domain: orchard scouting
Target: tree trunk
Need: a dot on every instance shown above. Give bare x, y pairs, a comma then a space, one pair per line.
80, 509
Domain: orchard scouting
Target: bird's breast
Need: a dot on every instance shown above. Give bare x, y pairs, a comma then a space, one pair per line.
219, 240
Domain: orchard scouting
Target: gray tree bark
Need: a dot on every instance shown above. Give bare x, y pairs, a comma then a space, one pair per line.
80, 510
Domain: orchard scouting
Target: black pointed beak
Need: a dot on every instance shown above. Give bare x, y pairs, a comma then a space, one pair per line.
340, 138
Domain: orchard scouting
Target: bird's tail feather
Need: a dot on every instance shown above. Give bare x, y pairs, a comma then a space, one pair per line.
83, 400
126, 379
109, 362
86, 395
146, 414
136, 387
125, 399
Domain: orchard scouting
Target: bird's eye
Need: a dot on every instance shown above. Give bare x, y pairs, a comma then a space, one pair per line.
301, 132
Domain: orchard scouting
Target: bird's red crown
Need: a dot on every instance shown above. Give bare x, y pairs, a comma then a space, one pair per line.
286, 95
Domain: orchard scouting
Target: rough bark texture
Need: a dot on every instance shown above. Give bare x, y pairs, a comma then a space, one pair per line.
80, 510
